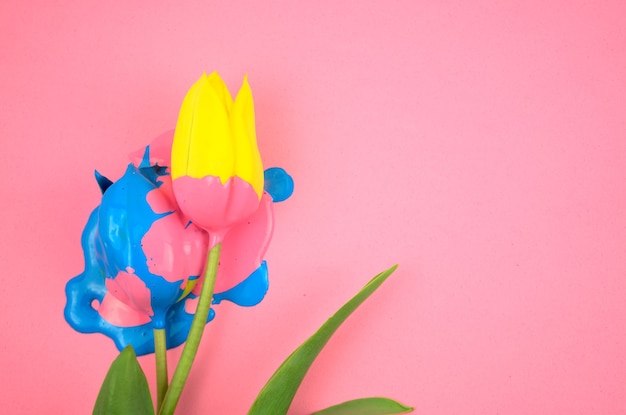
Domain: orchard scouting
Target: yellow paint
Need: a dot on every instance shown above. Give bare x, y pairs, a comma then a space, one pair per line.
191, 284
215, 136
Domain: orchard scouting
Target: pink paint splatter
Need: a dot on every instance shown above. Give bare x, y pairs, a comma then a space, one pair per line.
173, 250
129, 289
245, 245
120, 314
159, 200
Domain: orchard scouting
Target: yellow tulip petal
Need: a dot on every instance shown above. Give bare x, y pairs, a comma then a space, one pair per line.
202, 141
182, 135
248, 165
221, 90
211, 151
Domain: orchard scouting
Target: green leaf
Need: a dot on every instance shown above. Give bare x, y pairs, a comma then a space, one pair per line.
277, 394
367, 406
125, 388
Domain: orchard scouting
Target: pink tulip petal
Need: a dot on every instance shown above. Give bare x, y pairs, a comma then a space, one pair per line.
214, 206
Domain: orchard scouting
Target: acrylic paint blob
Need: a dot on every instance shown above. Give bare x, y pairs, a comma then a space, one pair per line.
144, 258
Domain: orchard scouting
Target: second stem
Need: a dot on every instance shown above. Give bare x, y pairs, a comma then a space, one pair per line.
160, 352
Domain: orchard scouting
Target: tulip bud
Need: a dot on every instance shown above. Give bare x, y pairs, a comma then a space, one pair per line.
217, 173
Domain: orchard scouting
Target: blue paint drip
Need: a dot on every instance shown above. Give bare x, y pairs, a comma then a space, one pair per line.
278, 184
150, 171
248, 292
103, 182
111, 243
125, 217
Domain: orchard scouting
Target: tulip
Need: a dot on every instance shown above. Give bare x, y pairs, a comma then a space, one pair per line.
217, 173
141, 264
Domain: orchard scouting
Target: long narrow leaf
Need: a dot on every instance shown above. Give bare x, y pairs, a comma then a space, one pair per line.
367, 406
125, 388
277, 394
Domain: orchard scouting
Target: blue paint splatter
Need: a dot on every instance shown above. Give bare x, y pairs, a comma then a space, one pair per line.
278, 184
111, 242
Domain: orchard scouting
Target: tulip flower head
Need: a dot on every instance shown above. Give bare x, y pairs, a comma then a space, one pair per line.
217, 173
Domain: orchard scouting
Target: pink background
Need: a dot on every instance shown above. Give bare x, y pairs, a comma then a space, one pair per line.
480, 145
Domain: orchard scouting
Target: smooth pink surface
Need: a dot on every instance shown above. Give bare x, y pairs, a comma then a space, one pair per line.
480, 145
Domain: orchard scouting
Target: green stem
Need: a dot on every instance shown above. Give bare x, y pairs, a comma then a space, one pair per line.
160, 352
195, 334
